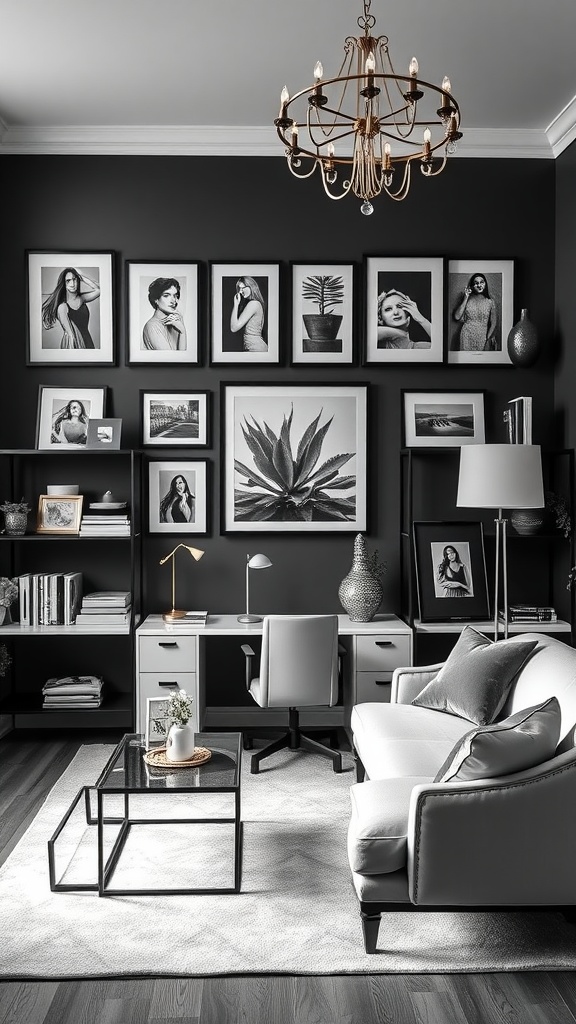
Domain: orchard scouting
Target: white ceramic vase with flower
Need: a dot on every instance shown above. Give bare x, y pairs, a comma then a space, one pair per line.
180, 742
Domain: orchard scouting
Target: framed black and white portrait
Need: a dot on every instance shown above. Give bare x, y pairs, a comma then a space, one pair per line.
404, 309
294, 458
64, 414
322, 313
162, 312
451, 571
480, 311
173, 418
245, 313
70, 308
443, 419
178, 496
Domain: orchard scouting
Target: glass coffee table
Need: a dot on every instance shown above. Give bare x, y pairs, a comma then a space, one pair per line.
127, 774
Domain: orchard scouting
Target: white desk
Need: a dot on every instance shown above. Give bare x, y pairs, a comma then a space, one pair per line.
166, 659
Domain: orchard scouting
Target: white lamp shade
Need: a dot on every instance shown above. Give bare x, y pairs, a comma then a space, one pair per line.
500, 476
259, 562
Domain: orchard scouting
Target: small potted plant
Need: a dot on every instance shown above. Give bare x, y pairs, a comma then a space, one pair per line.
8, 594
15, 516
326, 292
180, 739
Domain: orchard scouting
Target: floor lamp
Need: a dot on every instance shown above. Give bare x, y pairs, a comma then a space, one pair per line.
500, 476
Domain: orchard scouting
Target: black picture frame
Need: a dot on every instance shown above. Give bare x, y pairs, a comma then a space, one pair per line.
435, 588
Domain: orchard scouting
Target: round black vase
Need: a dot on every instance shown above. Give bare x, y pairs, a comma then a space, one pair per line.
523, 347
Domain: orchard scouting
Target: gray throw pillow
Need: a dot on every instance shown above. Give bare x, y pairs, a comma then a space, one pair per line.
475, 679
525, 739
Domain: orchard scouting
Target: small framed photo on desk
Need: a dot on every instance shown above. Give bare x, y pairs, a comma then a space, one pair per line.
157, 721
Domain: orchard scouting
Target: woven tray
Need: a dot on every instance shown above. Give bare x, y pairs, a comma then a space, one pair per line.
157, 758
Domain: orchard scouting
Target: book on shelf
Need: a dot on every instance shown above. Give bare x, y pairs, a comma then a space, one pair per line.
105, 598
538, 615
518, 418
49, 599
188, 619
72, 692
104, 619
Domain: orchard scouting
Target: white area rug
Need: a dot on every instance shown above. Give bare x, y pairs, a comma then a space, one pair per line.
296, 914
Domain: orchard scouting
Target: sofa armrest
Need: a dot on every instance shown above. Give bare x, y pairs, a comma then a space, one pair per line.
497, 842
408, 682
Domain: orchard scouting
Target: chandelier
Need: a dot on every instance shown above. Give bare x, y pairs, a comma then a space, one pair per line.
367, 126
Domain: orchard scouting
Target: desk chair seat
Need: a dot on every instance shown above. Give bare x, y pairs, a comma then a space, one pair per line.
298, 668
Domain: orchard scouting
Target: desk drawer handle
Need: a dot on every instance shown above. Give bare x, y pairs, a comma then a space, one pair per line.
384, 643
171, 682
382, 682
167, 643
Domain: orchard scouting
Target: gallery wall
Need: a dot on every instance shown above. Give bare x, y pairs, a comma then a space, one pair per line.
252, 210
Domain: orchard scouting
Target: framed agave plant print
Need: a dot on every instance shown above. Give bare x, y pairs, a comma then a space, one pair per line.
294, 457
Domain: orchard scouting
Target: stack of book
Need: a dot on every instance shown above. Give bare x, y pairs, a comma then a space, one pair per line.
105, 608
72, 693
189, 619
49, 599
519, 420
106, 519
531, 613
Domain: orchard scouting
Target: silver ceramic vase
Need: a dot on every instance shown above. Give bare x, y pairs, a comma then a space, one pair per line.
360, 591
523, 345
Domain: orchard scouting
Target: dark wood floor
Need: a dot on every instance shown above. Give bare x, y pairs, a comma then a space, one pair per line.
29, 766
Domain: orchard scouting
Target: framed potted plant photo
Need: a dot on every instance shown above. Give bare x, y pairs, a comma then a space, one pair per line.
404, 309
172, 418
178, 496
294, 458
70, 308
451, 572
60, 513
322, 313
64, 414
443, 419
480, 311
162, 312
245, 313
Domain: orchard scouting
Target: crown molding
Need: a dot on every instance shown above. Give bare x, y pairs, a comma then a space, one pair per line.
562, 130
208, 140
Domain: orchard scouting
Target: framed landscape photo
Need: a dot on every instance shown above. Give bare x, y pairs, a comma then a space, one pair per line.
443, 419
59, 513
245, 313
172, 418
162, 312
480, 311
178, 496
64, 414
322, 313
294, 458
404, 309
70, 308
104, 434
451, 572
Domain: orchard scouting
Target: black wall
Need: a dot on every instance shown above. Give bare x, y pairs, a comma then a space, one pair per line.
205, 209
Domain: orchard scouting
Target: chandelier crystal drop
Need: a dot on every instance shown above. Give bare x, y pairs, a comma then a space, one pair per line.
368, 125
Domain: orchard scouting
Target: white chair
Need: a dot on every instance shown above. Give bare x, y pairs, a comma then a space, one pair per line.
298, 668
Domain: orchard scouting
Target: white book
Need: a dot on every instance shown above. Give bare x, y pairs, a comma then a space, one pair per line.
24, 598
72, 596
106, 597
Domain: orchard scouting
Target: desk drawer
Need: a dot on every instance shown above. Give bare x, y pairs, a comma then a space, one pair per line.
160, 685
167, 653
373, 686
382, 652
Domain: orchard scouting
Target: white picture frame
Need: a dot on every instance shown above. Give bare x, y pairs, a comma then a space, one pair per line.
443, 419
165, 498
175, 418
499, 317
60, 426
231, 344
404, 309
150, 339
157, 721
322, 313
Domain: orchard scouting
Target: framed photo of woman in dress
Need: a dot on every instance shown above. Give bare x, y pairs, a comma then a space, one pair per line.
245, 313
162, 312
404, 309
451, 572
480, 311
178, 496
64, 414
70, 308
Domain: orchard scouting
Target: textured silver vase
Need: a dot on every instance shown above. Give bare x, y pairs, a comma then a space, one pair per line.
15, 523
360, 592
523, 346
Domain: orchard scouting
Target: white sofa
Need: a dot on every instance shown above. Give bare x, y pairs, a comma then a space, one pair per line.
506, 842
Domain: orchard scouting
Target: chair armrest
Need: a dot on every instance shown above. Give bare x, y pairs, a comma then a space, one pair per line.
408, 682
249, 653
496, 842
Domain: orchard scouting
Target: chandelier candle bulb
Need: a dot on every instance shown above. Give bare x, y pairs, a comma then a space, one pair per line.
413, 72
284, 97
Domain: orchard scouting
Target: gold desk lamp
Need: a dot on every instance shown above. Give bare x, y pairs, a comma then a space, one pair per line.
196, 555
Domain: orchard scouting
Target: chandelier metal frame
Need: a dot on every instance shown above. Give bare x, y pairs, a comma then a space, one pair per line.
384, 142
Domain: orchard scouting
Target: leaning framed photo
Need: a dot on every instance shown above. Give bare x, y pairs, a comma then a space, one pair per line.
158, 721
104, 434
322, 313
451, 571
172, 418
162, 310
443, 419
59, 513
70, 308
404, 309
294, 458
245, 313
480, 311
64, 414
178, 496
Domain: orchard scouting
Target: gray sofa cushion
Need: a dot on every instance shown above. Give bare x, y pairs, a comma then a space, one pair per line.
525, 739
475, 679
379, 824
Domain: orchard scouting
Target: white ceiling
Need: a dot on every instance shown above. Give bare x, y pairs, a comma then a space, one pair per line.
168, 76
